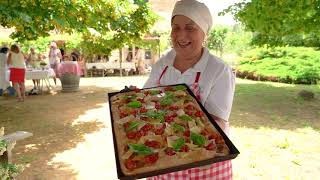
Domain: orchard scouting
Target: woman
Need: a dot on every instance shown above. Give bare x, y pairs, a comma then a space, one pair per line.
54, 58
211, 80
17, 71
34, 61
4, 83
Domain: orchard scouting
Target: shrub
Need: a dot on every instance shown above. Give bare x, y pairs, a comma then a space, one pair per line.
297, 65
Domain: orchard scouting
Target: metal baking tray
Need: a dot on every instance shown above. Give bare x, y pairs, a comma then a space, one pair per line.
233, 150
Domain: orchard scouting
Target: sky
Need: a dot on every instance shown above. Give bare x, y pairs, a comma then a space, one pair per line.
217, 6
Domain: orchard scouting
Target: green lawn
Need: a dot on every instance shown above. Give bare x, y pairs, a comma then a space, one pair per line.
277, 133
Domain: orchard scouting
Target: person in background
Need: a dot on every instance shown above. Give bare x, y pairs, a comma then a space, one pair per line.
34, 62
4, 83
210, 79
54, 59
82, 64
75, 55
17, 70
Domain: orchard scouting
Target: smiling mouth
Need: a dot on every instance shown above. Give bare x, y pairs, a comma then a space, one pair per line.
184, 44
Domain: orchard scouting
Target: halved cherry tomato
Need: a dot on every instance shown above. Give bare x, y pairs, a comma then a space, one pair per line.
153, 144
143, 110
210, 146
174, 115
169, 119
131, 134
134, 112
172, 108
160, 131
187, 133
189, 107
140, 133
169, 151
152, 158
123, 114
147, 127
189, 113
199, 114
130, 164
126, 125
184, 148
157, 105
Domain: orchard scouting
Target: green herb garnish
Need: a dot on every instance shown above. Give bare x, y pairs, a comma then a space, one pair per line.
140, 149
134, 104
185, 117
177, 127
178, 144
197, 139
133, 125
154, 92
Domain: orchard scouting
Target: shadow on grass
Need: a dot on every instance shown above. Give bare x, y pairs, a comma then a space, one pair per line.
265, 105
51, 119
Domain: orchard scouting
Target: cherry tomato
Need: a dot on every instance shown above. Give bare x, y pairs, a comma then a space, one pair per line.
143, 110
126, 125
169, 151
189, 107
157, 105
187, 133
189, 113
172, 108
134, 112
140, 133
153, 144
199, 114
152, 158
184, 148
169, 119
123, 114
210, 146
131, 135
130, 164
147, 127
160, 131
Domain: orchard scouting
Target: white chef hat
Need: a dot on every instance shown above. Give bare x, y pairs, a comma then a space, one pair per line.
198, 12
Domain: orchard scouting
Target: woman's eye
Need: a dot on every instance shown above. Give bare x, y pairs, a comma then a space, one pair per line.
189, 28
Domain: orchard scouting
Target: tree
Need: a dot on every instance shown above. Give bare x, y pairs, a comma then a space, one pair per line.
114, 22
216, 39
271, 20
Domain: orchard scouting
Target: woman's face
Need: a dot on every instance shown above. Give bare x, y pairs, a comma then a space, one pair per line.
186, 36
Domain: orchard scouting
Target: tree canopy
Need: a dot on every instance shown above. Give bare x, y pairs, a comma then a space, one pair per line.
272, 20
108, 24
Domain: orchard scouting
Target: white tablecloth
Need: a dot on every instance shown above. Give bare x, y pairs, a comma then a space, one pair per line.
109, 65
39, 74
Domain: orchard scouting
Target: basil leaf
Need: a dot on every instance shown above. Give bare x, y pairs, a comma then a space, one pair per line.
178, 144
140, 149
154, 92
185, 117
177, 127
129, 97
133, 125
134, 104
180, 87
166, 101
156, 115
197, 139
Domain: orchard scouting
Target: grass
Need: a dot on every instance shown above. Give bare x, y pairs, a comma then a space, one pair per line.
276, 133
